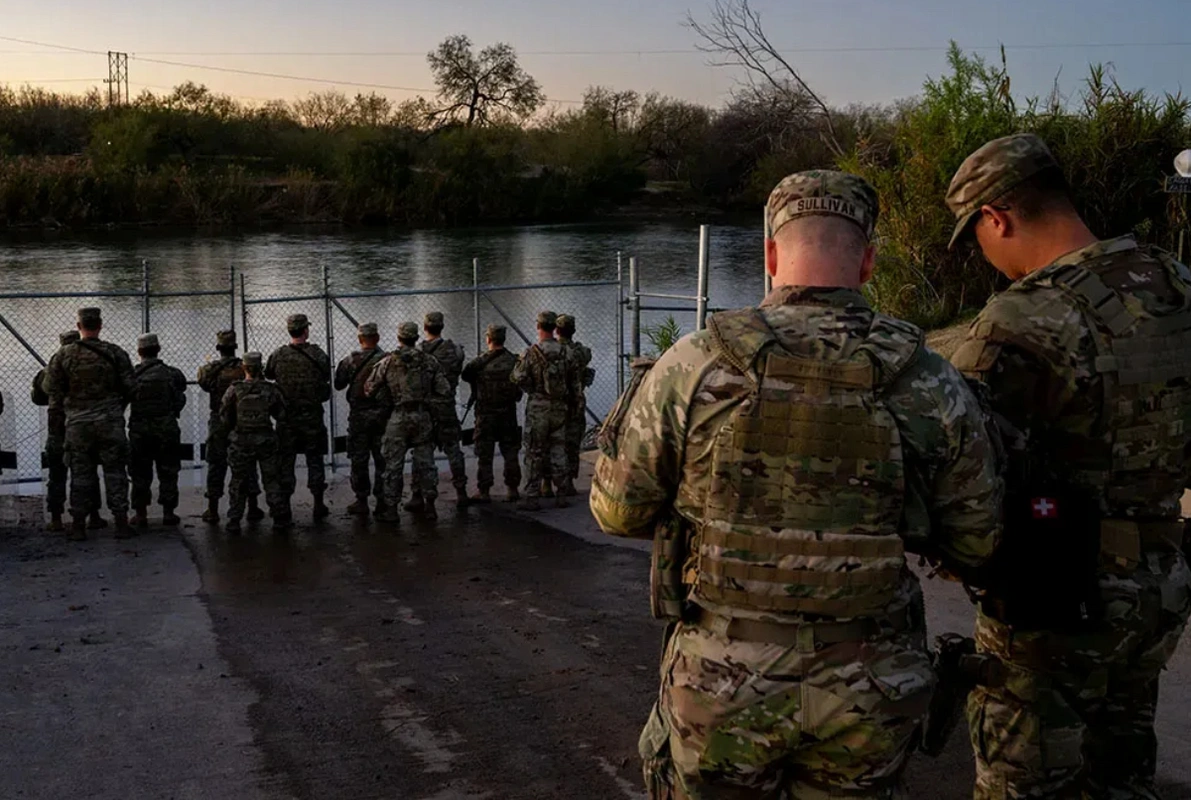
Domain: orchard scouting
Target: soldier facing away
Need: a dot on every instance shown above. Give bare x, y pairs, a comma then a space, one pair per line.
247, 412
545, 375
495, 398
579, 357
366, 421
1088, 360
446, 416
94, 382
303, 373
154, 437
215, 378
410, 381
786, 459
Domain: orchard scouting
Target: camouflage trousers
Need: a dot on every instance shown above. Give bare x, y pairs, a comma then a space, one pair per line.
55, 490
1075, 717
217, 447
545, 445
247, 451
492, 429
446, 441
365, 434
91, 444
410, 431
304, 433
154, 443
576, 429
738, 720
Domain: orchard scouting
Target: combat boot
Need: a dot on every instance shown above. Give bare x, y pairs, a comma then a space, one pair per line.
531, 504
547, 489
255, 512
55, 523
429, 513
416, 503
232, 526
381, 506
567, 489
78, 529
482, 497
283, 522
141, 518
358, 508
123, 529
169, 518
212, 512
514, 495
461, 498
96, 522
387, 513
320, 507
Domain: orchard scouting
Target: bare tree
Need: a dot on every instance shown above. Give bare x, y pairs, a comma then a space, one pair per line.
324, 111
735, 35
481, 89
616, 110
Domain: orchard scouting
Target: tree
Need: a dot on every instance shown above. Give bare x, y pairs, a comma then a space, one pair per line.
482, 89
613, 109
371, 110
670, 132
324, 111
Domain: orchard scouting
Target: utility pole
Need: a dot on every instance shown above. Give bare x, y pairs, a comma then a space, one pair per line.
117, 79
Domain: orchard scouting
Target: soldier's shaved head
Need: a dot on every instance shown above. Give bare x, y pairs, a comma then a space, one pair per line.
821, 251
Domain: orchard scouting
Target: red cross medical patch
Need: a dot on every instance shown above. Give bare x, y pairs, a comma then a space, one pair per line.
1045, 507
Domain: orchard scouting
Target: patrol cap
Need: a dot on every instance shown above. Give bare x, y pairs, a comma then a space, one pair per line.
497, 333
225, 339
253, 359
548, 318
822, 192
566, 322
146, 341
990, 172
68, 337
367, 329
90, 317
296, 322
434, 319
407, 330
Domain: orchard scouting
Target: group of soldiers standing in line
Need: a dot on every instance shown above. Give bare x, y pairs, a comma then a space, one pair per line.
263, 413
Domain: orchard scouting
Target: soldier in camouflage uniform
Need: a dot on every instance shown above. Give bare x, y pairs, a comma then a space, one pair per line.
496, 399
410, 381
579, 356
303, 373
446, 416
154, 437
787, 458
1088, 360
247, 411
366, 421
215, 378
94, 382
544, 373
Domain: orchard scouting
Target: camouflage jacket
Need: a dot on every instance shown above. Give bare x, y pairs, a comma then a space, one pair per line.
352, 375
665, 446
409, 379
450, 358
303, 374
491, 386
160, 391
544, 373
274, 401
1035, 348
93, 379
215, 377
579, 358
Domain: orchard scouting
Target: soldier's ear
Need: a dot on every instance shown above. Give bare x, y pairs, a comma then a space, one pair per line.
771, 257
867, 264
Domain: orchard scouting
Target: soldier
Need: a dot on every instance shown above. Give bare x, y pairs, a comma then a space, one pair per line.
153, 433
55, 450
215, 378
545, 375
1088, 358
366, 421
579, 356
410, 381
247, 412
787, 458
94, 382
446, 416
495, 397
303, 373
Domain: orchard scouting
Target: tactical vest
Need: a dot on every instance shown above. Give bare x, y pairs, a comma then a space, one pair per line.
803, 513
155, 395
409, 377
92, 377
252, 407
362, 366
553, 367
496, 390
299, 376
449, 356
230, 371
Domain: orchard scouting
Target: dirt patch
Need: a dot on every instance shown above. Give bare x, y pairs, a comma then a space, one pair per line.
945, 341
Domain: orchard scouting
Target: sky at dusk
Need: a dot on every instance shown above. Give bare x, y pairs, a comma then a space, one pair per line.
868, 51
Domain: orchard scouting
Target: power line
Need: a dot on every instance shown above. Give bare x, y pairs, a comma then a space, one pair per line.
55, 80
53, 46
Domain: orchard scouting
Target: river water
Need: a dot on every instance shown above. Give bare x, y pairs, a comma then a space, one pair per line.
290, 263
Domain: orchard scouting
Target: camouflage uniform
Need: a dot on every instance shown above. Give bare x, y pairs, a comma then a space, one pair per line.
94, 381
546, 377
446, 416
579, 356
366, 421
410, 380
154, 437
786, 459
1088, 361
215, 378
496, 401
247, 410
303, 374
55, 442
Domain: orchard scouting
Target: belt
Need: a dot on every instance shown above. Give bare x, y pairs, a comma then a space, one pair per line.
411, 405
789, 635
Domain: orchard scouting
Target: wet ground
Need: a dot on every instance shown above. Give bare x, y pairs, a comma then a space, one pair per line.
486, 657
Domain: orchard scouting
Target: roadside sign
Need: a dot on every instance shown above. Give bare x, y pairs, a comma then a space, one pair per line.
1177, 184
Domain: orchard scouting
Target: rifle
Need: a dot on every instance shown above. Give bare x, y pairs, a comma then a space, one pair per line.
960, 669
467, 437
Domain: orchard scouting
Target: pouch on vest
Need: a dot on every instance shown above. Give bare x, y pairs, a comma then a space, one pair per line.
252, 411
154, 393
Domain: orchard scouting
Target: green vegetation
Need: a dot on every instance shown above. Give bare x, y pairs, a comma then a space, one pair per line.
662, 336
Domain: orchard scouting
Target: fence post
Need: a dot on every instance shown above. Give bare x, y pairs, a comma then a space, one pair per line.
145, 295
704, 265
620, 359
475, 301
635, 301
329, 322
243, 311
764, 251
231, 295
